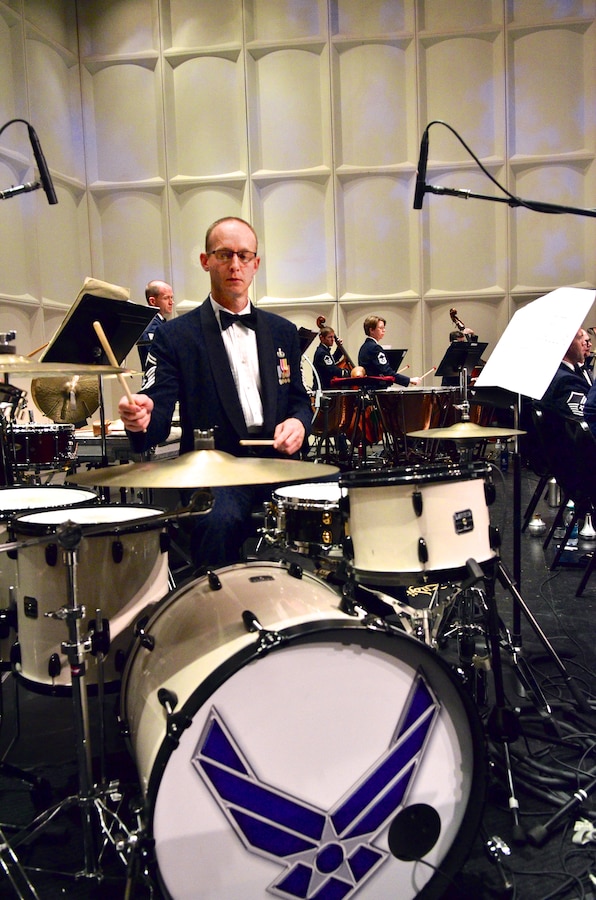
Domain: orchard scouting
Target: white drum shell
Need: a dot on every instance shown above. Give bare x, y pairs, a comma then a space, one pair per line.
119, 589
310, 719
198, 628
386, 530
17, 500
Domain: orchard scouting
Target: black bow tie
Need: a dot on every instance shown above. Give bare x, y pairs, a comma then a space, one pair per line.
227, 319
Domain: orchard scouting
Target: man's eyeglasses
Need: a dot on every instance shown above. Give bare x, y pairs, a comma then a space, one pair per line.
224, 255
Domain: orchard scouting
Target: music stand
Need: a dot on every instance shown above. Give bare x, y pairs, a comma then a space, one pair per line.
394, 357
77, 342
460, 355
306, 337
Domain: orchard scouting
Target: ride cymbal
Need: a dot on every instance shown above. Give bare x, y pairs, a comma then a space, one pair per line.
22, 365
465, 431
203, 468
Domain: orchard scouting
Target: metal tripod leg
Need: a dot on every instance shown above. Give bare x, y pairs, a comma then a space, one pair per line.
16, 875
508, 583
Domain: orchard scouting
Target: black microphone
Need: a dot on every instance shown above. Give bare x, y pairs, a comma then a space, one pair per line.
421, 173
44, 172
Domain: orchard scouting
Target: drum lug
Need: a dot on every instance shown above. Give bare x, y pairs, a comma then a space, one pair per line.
422, 550
214, 582
267, 639
146, 640
295, 571
417, 504
51, 554
117, 551
176, 722
490, 492
54, 665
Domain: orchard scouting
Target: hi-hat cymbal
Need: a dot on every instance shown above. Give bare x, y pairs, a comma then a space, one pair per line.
465, 431
203, 468
22, 365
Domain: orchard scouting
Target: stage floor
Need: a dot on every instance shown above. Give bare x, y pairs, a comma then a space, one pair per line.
554, 746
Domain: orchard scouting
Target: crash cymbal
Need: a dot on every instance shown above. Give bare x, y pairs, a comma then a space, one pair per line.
465, 431
22, 365
66, 400
203, 468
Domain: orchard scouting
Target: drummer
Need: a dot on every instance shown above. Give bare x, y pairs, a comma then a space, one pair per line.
242, 379
372, 357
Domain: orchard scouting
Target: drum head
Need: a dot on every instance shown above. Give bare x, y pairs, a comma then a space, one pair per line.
319, 495
415, 475
301, 773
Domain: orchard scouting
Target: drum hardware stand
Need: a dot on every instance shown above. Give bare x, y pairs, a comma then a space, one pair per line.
502, 722
365, 401
88, 799
506, 580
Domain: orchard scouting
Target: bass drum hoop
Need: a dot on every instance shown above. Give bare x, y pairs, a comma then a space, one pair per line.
323, 631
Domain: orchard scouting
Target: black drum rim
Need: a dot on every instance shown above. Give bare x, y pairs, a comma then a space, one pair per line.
414, 475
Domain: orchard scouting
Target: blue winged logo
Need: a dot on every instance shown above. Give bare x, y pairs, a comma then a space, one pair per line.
326, 855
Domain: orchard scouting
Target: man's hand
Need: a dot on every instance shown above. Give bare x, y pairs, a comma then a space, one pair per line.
289, 436
136, 416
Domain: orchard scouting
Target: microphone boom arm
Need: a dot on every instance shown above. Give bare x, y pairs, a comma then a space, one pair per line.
535, 205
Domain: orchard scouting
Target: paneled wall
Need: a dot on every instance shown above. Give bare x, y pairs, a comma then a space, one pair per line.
304, 116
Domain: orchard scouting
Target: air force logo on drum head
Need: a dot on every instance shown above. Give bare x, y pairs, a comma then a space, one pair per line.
325, 854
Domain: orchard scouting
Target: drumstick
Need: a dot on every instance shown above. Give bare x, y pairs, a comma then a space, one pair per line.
403, 369
39, 349
255, 443
434, 369
110, 355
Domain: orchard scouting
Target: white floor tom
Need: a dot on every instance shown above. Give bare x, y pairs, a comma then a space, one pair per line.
122, 567
308, 757
417, 524
13, 501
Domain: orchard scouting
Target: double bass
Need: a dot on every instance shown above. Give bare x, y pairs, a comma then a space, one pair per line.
469, 337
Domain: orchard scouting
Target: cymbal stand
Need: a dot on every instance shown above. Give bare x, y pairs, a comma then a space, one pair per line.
88, 799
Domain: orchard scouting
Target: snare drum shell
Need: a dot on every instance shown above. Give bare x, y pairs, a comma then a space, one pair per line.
42, 446
308, 515
119, 571
387, 531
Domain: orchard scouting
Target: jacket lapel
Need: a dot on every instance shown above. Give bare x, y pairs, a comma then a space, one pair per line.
268, 370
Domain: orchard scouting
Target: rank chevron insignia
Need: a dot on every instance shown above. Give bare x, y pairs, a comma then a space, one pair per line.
326, 855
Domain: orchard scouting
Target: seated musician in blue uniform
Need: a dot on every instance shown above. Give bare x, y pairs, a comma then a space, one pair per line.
232, 368
326, 362
371, 355
160, 295
567, 392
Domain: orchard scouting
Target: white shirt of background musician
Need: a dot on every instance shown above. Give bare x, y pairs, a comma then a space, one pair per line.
241, 350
